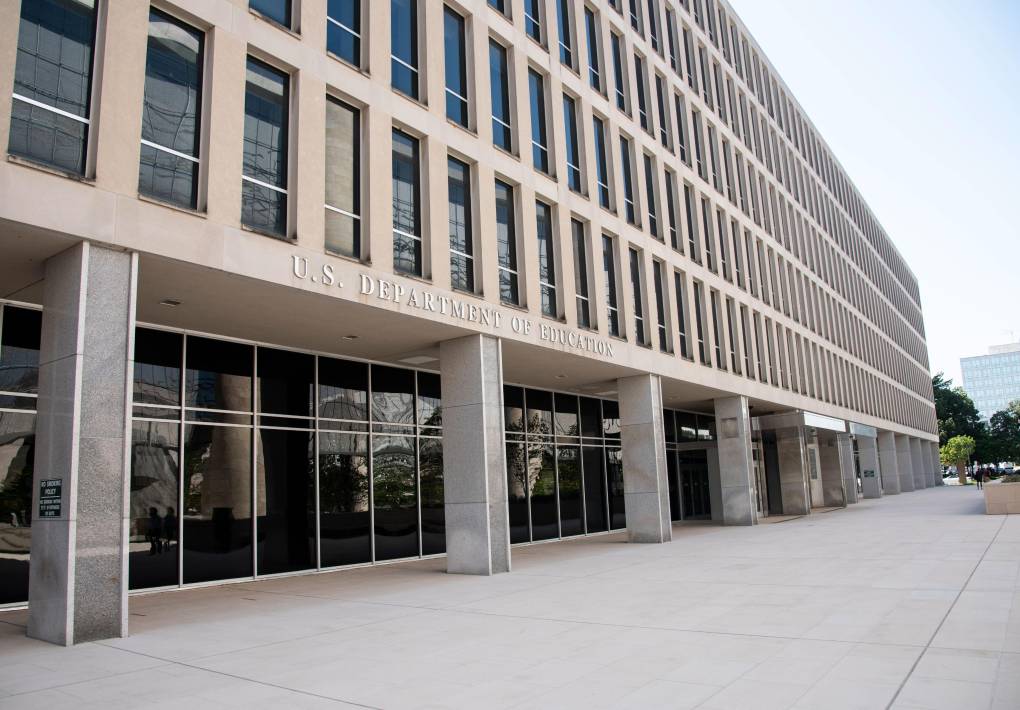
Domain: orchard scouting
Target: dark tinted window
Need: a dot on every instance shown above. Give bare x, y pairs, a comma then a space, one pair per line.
285, 380
343, 29
456, 67
157, 367
404, 46
264, 180
219, 375
276, 10
499, 87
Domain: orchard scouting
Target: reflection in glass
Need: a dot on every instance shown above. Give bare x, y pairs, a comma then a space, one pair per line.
591, 417
285, 380
542, 473
517, 491
264, 192
344, 518
686, 426
674, 487
433, 504
610, 419
569, 473
343, 389
614, 478
157, 367
155, 491
343, 178
19, 350
395, 497
219, 375
392, 395
513, 409
217, 502
343, 31
566, 415
17, 459
594, 488
430, 402
285, 501
539, 412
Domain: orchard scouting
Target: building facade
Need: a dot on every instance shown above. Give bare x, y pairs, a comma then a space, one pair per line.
993, 380
297, 285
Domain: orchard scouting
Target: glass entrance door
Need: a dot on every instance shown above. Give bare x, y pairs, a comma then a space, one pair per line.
692, 467
761, 490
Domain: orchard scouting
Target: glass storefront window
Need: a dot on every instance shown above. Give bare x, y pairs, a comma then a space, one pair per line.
395, 497
286, 381
392, 395
344, 517
219, 375
285, 500
153, 546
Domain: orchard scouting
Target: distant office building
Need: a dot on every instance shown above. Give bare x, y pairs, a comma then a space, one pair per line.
993, 380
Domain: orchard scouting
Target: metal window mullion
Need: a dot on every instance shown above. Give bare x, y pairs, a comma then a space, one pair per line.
315, 466
345, 213
417, 461
266, 185
180, 462
53, 109
398, 60
343, 26
171, 151
254, 464
371, 469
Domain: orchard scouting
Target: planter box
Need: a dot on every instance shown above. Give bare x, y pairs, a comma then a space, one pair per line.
1002, 498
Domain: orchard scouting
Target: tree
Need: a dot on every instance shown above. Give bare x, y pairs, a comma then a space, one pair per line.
955, 453
1004, 433
957, 415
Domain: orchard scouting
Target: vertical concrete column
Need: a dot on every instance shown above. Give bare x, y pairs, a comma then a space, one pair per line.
831, 469
917, 460
905, 463
937, 463
78, 576
926, 467
733, 434
871, 473
474, 464
888, 463
793, 482
846, 464
645, 486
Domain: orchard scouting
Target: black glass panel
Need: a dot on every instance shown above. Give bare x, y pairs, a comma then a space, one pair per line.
517, 491
19, 350
217, 503
392, 395
286, 381
433, 504
610, 419
17, 459
513, 409
591, 417
674, 486
219, 375
669, 425
285, 499
157, 367
539, 412
686, 426
343, 389
706, 427
542, 472
614, 479
395, 497
593, 460
569, 472
344, 520
566, 416
155, 482
430, 402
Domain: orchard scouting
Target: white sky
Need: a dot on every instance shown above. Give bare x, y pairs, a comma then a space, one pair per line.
920, 102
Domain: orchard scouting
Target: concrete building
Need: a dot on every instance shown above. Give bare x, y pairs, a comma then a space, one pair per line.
286, 291
993, 380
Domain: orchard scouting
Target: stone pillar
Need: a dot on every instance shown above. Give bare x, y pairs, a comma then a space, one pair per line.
871, 473
830, 469
888, 463
733, 434
645, 485
920, 470
924, 451
474, 462
793, 471
78, 576
937, 464
846, 462
905, 463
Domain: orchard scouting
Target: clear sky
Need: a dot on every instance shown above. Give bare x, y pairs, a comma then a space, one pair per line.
919, 100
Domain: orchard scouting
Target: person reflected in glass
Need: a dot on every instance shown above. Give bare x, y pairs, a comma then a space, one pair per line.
169, 528
153, 532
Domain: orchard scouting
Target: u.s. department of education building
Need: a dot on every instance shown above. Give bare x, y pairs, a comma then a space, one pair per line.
291, 286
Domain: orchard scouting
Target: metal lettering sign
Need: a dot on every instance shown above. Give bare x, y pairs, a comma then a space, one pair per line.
50, 492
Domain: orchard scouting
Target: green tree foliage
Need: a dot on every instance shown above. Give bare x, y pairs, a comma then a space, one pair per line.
955, 452
1004, 433
957, 416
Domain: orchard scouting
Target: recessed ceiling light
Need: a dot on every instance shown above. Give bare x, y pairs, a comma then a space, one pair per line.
418, 359
349, 337
561, 377
170, 303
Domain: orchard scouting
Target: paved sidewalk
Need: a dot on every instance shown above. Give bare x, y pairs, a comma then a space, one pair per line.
911, 601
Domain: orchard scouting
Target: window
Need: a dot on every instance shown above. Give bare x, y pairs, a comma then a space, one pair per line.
671, 40
720, 224
406, 204
692, 231
404, 46
619, 71
456, 67
699, 311
653, 216
343, 178
681, 128
264, 178
746, 332
732, 334
570, 133
636, 292
462, 261
546, 259
642, 90
664, 128
50, 112
533, 19
581, 274
626, 174
680, 286
635, 16
591, 25
660, 305
499, 85
653, 25
689, 59
609, 275
506, 244
343, 29
498, 5
539, 139
708, 238
699, 156
566, 36
601, 162
168, 168
713, 159
276, 10
674, 227
720, 361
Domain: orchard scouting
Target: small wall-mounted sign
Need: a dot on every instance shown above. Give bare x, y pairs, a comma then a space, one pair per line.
50, 491
868, 473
